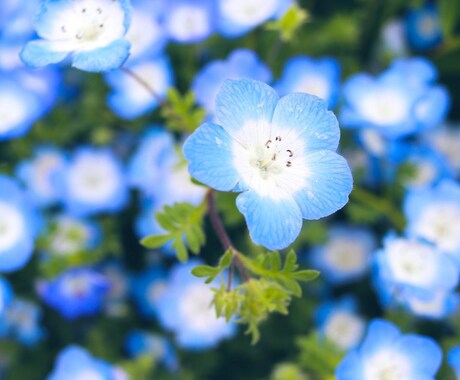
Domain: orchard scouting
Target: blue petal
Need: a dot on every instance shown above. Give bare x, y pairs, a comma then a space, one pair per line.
242, 101
209, 152
18, 256
103, 59
37, 53
308, 117
380, 334
350, 368
329, 182
272, 223
425, 354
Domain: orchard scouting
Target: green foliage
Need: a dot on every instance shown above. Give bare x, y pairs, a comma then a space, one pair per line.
183, 224
140, 368
288, 371
212, 272
288, 25
449, 12
180, 112
319, 356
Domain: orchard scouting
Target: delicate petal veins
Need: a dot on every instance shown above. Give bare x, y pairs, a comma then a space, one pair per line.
305, 116
208, 150
39, 53
272, 223
246, 102
103, 59
328, 184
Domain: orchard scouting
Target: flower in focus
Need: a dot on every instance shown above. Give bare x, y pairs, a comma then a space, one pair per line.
279, 152
91, 31
387, 354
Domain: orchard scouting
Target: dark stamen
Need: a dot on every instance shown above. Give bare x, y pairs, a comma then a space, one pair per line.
289, 164
290, 152
267, 144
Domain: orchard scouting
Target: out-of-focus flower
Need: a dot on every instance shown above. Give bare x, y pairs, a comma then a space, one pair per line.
241, 63
184, 307
19, 226
345, 256
75, 293
279, 152
94, 182
6, 294
386, 353
423, 27
320, 77
91, 31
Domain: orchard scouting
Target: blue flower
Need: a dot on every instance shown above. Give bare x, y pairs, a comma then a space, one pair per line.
139, 343
320, 77
75, 293
19, 226
92, 31
433, 214
345, 256
340, 324
6, 294
146, 287
237, 17
387, 354
40, 175
403, 100
432, 304
453, 358
279, 152
423, 27
184, 307
94, 182
20, 321
76, 363
241, 63
129, 99
447, 141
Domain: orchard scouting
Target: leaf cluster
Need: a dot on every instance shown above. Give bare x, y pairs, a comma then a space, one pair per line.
183, 225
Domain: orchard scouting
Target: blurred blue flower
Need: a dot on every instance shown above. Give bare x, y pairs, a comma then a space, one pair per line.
346, 255
75, 363
6, 294
241, 63
432, 304
16, 19
130, 99
237, 17
75, 293
320, 77
91, 31
19, 226
453, 358
423, 27
401, 101
189, 21
40, 175
340, 324
21, 321
279, 152
433, 214
447, 141
115, 300
94, 182
184, 307
387, 354
140, 343
146, 288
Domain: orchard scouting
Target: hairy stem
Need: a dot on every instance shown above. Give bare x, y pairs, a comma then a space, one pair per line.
225, 239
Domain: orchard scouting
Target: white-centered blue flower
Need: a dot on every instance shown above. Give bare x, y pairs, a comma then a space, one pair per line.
19, 226
386, 354
92, 31
279, 152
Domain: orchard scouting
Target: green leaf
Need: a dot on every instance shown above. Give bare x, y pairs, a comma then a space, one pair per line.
155, 241
449, 13
306, 275
226, 259
205, 271
290, 22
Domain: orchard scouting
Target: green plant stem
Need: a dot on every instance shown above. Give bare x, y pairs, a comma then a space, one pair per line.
225, 239
382, 205
163, 103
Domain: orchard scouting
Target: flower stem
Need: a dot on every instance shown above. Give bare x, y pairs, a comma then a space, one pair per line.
225, 239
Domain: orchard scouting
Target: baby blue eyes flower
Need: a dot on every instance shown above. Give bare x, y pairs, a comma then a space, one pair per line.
92, 31
280, 153
387, 354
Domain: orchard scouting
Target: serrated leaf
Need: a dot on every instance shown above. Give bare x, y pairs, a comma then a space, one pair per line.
205, 271
290, 263
306, 275
275, 260
226, 259
181, 250
294, 287
155, 241
164, 221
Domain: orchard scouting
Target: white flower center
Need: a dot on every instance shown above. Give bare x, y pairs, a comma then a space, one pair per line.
69, 238
248, 12
385, 107
12, 226
76, 286
88, 374
43, 167
346, 255
411, 262
188, 22
93, 179
13, 111
344, 329
87, 25
387, 365
427, 25
440, 223
196, 309
313, 85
